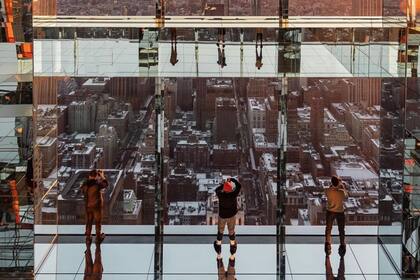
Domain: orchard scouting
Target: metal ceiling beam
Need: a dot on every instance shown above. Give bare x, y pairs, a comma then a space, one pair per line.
221, 22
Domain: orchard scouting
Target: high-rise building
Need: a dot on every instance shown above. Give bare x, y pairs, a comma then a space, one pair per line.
215, 88
258, 87
181, 185
225, 120
194, 153
225, 156
83, 156
366, 92
119, 120
136, 91
184, 94
256, 112
317, 119
200, 86
82, 116
47, 147
107, 139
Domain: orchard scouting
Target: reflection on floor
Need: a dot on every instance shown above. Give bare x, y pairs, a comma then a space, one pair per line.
190, 259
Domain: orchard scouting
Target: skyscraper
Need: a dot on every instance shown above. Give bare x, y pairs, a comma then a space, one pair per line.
225, 120
82, 116
107, 139
200, 85
132, 90
366, 92
317, 119
184, 94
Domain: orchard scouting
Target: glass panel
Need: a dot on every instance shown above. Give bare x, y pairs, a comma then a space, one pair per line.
170, 113
347, 8
333, 129
95, 8
222, 8
104, 124
186, 52
411, 181
391, 159
216, 129
16, 204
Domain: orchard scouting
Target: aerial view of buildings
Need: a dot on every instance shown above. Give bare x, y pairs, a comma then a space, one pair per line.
215, 128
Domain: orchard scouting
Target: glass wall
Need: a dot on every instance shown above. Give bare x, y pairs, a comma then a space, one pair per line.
96, 123
218, 128
16, 168
169, 111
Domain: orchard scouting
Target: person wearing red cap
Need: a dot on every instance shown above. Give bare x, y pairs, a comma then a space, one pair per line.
227, 193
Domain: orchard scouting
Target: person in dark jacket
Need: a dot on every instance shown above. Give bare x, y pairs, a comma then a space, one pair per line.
91, 189
227, 193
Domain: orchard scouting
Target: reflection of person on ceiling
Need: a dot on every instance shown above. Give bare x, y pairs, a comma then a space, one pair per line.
221, 58
93, 270
329, 275
230, 273
221, 32
174, 54
258, 61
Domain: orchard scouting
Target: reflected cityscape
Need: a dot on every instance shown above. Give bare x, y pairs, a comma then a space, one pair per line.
215, 128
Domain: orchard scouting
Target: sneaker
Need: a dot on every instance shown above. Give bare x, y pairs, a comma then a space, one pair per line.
100, 238
233, 248
217, 247
327, 249
342, 250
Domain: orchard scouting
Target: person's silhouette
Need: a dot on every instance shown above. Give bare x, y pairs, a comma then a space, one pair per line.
221, 56
174, 54
329, 275
258, 54
93, 270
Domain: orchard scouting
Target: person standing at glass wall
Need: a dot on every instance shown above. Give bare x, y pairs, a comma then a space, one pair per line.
92, 191
15, 200
227, 194
336, 195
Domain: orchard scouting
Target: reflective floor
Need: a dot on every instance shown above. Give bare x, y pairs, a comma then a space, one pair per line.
186, 257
